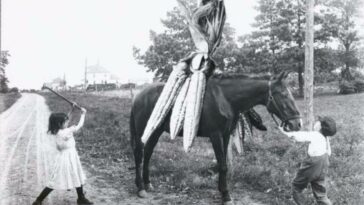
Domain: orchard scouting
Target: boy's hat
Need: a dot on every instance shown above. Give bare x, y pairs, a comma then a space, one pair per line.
328, 126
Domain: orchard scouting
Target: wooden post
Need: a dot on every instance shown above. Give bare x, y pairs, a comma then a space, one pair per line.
1, 56
131, 92
85, 80
309, 63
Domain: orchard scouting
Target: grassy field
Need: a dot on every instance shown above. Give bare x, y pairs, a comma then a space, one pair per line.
7, 100
263, 172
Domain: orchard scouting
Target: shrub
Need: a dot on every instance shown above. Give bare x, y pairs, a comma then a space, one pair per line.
359, 85
325, 77
14, 90
347, 87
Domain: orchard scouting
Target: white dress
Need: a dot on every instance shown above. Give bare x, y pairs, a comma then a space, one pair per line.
67, 172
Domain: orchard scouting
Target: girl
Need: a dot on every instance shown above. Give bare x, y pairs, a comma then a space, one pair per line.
313, 170
67, 172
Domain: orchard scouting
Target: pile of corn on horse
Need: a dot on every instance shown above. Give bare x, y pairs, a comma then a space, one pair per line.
195, 102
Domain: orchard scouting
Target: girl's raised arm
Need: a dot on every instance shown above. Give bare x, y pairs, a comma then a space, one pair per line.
69, 114
81, 122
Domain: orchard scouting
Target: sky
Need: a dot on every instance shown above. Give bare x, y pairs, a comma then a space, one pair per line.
52, 38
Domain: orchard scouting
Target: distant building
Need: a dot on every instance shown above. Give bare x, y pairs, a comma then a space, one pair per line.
140, 81
57, 84
97, 74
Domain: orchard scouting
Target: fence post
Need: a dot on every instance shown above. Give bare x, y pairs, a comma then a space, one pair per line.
131, 92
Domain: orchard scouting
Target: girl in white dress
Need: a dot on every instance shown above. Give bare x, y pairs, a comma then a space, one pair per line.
67, 172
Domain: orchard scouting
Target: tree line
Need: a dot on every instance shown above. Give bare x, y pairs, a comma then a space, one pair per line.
3, 79
276, 44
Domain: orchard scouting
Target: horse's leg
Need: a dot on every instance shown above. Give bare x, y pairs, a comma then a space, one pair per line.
148, 151
138, 157
218, 144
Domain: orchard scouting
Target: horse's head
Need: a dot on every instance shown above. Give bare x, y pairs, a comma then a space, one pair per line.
281, 103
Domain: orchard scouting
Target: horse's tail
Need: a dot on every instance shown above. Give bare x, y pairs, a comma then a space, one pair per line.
132, 130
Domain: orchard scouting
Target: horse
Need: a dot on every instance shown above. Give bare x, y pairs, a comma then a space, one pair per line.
225, 97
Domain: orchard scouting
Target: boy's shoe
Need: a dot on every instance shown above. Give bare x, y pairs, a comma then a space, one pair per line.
36, 202
84, 201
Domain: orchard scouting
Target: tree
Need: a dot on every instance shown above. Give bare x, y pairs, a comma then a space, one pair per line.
280, 26
175, 43
340, 20
280, 35
3, 79
168, 47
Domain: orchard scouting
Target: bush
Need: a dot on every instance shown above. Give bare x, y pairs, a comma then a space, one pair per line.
325, 77
14, 90
359, 85
347, 87
357, 74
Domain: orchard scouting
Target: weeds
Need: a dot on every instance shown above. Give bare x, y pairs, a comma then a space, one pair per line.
266, 168
7, 100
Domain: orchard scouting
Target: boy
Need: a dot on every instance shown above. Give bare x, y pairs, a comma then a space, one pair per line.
314, 169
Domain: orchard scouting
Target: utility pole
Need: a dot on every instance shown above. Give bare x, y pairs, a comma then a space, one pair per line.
85, 82
309, 64
1, 54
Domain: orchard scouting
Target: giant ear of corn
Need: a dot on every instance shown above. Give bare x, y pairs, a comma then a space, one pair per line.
165, 100
247, 132
195, 97
178, 110
236, 136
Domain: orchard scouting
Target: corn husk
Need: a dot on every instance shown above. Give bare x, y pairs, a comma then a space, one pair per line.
165, 100
179, 110
195, 97
206, 24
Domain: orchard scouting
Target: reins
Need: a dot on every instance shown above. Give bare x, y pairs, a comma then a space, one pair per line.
273, 101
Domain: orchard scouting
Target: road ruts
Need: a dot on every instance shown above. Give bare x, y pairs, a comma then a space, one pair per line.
26, 153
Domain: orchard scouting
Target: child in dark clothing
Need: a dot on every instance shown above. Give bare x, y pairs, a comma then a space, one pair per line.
313, 170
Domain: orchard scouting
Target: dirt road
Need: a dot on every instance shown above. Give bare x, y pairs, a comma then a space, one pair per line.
26, 153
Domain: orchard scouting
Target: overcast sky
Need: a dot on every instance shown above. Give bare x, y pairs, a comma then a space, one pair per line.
50, 38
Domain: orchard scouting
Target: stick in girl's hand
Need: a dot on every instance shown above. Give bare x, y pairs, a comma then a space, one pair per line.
61, 96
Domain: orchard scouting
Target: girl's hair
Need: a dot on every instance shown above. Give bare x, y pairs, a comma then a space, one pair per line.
56, 120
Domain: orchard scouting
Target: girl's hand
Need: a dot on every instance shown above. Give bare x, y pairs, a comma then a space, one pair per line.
83, 110
74, 105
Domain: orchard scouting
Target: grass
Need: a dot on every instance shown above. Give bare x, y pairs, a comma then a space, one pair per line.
264, 171
121, 93
7, 100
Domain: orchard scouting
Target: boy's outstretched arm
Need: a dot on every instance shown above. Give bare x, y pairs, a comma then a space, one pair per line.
299, 136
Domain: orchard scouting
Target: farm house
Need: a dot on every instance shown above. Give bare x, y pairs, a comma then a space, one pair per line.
57, 84
97, 74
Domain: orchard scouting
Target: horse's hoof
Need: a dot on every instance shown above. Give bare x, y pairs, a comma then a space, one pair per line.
142, 194
149, 187
228, 203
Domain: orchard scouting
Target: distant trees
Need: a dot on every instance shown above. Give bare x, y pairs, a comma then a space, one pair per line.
175, 43
340, 20
168, 47
276, 44
3, 79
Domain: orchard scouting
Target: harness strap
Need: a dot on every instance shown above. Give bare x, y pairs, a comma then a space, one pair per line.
272, 100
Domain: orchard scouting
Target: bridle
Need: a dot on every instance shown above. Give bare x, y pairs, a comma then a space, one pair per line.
272, 101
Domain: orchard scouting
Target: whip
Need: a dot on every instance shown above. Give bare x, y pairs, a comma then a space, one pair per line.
61, 96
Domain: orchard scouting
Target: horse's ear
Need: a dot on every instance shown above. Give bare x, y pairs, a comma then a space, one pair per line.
283, 75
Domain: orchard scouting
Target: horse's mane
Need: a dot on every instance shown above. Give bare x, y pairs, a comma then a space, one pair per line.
223, 76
